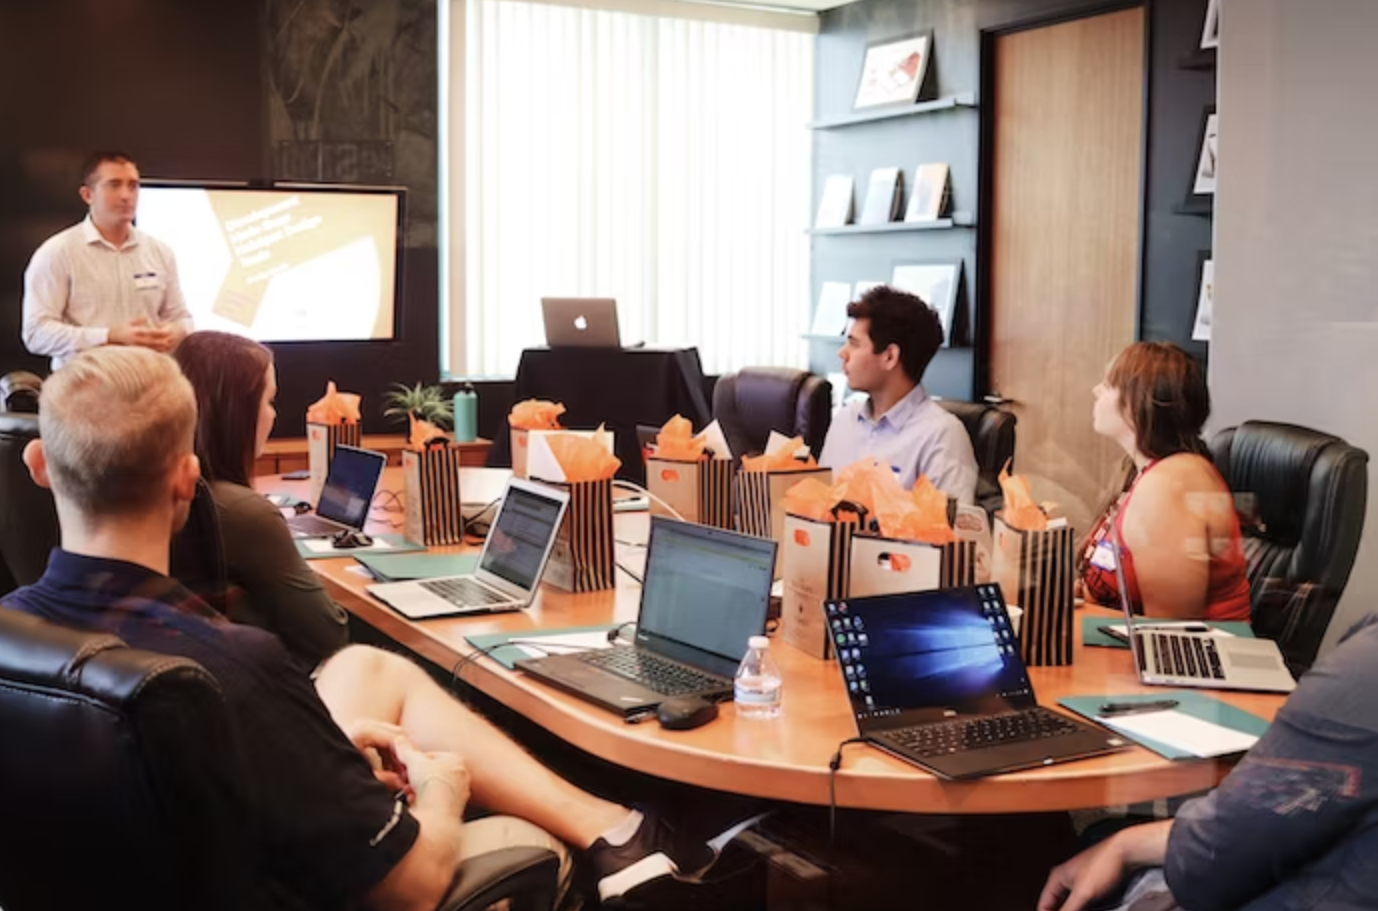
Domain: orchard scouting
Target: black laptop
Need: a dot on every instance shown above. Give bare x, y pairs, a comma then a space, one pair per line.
350, 483
935, 678
705, 594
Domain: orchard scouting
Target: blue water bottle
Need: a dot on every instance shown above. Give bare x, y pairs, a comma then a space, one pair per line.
466, 414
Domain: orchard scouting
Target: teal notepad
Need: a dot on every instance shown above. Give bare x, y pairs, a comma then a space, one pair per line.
509, 655
1091, 634
390, 567
392, 544
1189, 702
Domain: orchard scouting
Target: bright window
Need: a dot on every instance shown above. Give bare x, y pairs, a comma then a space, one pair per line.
658, 160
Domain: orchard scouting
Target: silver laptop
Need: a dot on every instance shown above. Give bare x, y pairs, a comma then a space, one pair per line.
580, 322
1164, 656
509, 567
346, 496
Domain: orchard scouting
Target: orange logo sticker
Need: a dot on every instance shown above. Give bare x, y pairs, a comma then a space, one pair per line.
669, 475
896, 563
801, 537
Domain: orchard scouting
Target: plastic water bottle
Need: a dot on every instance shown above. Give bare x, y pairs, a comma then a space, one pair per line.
757, 687
466, 414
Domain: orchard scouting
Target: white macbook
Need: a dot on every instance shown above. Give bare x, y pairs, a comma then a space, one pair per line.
581, 322
1171, 657
509, 567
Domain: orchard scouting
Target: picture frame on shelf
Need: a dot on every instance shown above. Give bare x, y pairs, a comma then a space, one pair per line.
936, 284
1205, 297
893, 71
830, 316
1201, 190
1210, 33
930, 197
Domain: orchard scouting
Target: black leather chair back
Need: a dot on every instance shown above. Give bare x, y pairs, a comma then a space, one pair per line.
19, 391
1309, 492
28, 518
992, 438
119, 776
751, 403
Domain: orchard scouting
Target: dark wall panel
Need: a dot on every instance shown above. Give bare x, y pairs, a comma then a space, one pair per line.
1172, 241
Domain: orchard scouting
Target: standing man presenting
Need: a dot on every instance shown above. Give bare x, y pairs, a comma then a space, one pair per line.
103, 282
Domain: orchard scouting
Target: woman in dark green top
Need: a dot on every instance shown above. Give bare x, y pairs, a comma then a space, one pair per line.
270, 584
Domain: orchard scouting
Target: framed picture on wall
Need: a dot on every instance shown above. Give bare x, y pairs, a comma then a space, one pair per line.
1205, 297
894, 71
1202, 189
1210, 34
936, 284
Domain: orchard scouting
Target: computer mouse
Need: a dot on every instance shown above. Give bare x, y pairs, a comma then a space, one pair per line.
348, 539
684, 713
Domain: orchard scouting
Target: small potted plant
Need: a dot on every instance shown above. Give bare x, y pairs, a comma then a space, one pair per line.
428, 403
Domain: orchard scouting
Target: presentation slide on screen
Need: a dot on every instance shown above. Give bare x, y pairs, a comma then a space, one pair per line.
281, 265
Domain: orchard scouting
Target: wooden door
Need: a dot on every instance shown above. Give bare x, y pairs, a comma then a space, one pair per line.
1067, 157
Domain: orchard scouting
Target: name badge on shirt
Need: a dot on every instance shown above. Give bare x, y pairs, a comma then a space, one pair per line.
1103, 557
147, 281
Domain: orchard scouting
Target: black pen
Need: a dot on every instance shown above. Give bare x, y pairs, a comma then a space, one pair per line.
1110, 709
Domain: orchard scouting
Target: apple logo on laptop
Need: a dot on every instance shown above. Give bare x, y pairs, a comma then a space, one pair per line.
581, 323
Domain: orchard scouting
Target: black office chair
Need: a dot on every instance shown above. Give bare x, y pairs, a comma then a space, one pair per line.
28, 518
992, 439
1309, 491
121, 786
751, 403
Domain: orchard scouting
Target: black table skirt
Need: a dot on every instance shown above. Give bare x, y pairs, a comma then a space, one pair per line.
618, 388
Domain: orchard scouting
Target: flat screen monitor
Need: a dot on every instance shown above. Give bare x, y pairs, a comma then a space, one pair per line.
292, 263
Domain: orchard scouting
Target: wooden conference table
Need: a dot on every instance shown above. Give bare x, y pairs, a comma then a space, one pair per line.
784, 759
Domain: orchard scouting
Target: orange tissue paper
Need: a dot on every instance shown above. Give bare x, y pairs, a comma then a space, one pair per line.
422, 432
582, 458
780, 458
334, 407
676, 441
536, 414
1021, 511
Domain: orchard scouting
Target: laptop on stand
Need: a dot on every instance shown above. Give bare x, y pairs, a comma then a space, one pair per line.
935, 678
705, 594
510, 565
1164, 656
350, 484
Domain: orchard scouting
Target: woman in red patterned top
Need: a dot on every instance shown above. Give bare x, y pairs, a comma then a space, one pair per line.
1178, 533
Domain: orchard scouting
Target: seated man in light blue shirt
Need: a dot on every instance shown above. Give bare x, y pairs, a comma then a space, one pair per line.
892, 338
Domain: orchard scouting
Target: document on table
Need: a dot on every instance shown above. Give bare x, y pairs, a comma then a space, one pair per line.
539, 646
1183, 732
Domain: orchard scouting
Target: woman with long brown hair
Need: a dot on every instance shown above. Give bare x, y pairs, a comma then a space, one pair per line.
1176, 529
271, 585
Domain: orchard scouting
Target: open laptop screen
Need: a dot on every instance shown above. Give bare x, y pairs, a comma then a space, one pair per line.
705, 587
520, 536
950, 650
349, 486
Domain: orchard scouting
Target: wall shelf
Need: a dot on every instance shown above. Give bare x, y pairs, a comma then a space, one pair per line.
956, 220
1201, 60
951, 102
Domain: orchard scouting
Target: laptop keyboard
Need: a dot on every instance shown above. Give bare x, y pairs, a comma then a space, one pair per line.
653, 672
966, 734
1186, 656
465, 592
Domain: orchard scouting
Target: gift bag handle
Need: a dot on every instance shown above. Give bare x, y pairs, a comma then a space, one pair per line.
862, 514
